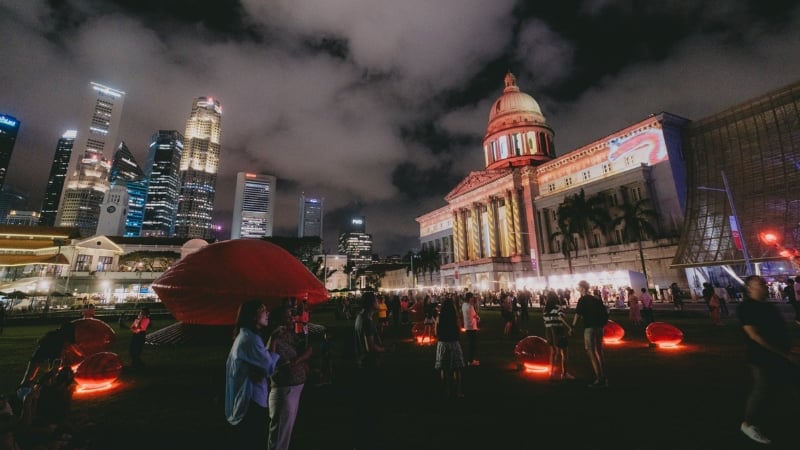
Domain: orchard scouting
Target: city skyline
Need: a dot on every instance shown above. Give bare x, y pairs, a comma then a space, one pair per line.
380, 117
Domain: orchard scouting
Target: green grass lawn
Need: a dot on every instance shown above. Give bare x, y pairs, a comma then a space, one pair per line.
692, 397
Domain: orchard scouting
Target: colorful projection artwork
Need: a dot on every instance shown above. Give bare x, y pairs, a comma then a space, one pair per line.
613, 333
664, 335
207, 286
98, 372
533, 354
647, 146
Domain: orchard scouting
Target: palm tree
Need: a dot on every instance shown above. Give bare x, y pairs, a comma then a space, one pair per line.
566, 231
429, 261
636, 220
586, 213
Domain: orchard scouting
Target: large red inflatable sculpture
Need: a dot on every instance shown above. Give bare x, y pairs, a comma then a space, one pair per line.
91, 336
663, 334
207, 287
613, 333
98, 371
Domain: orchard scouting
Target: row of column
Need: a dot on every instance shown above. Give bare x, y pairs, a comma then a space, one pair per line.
468, 240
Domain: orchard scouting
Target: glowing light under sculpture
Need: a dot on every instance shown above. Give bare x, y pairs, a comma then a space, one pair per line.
663, 334
533, 353
91, 336
613, 333
416, 312
206, 287
418, 331
98, 372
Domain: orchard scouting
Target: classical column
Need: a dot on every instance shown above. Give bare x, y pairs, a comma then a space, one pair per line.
511, 233
518, 242
475, 240
457, 250
492, 225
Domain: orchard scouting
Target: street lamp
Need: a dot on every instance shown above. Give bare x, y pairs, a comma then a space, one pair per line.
735, 217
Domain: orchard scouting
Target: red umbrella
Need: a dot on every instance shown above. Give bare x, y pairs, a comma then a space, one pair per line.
207, 287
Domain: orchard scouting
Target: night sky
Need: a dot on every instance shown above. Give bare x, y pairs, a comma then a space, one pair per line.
379, 106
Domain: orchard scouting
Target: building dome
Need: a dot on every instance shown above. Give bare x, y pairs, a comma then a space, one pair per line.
515, 102
517, 133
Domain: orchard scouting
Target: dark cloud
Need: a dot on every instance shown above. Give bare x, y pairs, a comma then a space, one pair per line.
378, 106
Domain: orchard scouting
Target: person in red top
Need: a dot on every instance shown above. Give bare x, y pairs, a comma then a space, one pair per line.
88, 311
301, 318
139, 329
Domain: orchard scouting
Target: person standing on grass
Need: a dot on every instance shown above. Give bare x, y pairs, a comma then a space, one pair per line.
557, 330
288, 380
449, 357
471, 319
767, 352
647, 307
248, 368
368, 346
595, 316
139, 329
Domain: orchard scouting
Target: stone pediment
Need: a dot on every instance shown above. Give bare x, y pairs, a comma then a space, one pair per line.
474, 181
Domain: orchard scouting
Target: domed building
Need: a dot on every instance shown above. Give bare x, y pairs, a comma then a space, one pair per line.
499, 229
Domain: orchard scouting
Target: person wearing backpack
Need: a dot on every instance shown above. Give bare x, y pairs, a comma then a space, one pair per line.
595, 316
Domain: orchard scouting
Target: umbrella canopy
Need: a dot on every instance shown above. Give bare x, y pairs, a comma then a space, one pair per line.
208, 286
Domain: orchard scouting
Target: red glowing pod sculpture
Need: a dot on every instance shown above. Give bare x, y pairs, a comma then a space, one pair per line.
533, 353
613, 333
663, 334
98, 371
91, 336
208, 286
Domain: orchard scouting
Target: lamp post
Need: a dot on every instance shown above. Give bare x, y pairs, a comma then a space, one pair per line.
727, 191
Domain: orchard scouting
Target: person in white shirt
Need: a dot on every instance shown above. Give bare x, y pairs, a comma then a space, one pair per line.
647, 307
471, 320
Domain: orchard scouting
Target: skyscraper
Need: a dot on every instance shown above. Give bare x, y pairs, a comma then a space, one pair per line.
310, 220
55, 182
127, 173
87, 177
163, 171
356, 243
199, 165
253, 207
9, 127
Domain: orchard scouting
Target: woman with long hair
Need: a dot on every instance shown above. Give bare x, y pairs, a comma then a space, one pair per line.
246, 382
558, 331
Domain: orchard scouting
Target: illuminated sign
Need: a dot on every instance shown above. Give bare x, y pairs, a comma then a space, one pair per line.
358, 222
8, 120
250, 175
70, 134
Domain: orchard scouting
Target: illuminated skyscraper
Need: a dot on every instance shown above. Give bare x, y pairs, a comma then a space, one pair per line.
199, 166
9, 127
163, 171
310, 220
87, 177
356, 243
126, 172
55, 182
253, 206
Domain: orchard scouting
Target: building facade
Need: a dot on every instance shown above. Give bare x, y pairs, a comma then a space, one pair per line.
500, 223
752, 151
356, 244
163, 173
198, 169
309, 223
253, 206
125, 171
9, 128
87, 176
55, 181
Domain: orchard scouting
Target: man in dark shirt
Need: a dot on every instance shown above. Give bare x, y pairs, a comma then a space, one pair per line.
367, 347
767, 345
595, 317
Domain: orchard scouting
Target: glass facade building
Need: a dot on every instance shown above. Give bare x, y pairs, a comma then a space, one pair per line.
254, 206
757, 146
163, 172
310, 221
55, 181
125, 171
9, 127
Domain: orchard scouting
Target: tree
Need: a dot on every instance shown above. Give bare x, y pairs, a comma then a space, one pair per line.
636, 221
566, 232
585, 214
429, 261
320, 270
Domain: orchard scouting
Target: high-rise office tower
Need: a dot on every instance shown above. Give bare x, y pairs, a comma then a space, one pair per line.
199, 166
253, 206
9, 127
163, 171
10, 200
356, 243
127, 173
310, 221
55, 182
87, 176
